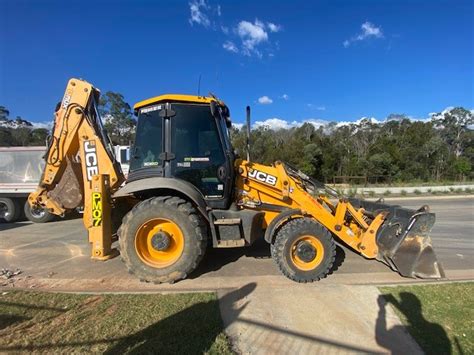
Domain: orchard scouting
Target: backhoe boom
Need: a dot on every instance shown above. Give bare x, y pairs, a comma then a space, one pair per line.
80, 169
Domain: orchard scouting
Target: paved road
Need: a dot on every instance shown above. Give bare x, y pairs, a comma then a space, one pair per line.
59, 251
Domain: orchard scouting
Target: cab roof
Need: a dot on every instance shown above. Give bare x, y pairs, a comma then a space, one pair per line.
175, 97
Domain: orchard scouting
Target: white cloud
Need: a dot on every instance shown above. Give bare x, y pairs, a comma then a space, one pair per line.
275, 124
225, 30
265, 100
285, 97
359, 121
219, 12
47, 125
198, 10
251, 35
230, 46
369, 30
273, 27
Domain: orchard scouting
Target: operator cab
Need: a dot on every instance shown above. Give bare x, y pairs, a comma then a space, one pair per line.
185, 137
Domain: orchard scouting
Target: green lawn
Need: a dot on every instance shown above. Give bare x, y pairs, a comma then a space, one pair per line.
69, 323
439, 317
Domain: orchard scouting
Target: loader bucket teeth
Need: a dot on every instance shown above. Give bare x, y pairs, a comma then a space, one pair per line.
404, 241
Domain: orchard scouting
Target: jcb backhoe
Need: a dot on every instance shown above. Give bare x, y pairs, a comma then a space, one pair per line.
187, 189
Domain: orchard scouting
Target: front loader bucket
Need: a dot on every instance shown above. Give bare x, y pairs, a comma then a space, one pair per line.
403, 240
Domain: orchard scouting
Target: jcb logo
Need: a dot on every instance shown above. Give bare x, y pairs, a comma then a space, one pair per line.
66, 99
96, 209
263, 177
91, 159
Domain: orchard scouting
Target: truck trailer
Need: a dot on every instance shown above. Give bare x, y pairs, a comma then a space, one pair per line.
20, 172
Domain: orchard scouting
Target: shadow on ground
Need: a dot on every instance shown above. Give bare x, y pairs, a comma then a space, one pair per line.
189, 331
410, 307
25, 222
216, 258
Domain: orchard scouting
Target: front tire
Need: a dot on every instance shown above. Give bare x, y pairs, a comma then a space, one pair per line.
304, 250
162, 239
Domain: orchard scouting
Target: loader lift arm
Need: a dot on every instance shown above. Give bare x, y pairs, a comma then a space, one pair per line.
396, 236
81, 169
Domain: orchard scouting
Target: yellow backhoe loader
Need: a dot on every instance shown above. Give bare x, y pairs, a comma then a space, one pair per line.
187, 189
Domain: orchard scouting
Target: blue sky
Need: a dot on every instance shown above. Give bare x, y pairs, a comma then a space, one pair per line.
292, 60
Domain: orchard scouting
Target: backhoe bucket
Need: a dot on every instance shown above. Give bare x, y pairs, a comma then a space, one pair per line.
403, 240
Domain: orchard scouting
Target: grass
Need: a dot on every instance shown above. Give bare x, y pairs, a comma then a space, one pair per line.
139, 323
439, 317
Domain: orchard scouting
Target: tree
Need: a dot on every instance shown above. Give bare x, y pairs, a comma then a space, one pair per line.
6, 139
118, 117
4, 113
454, 124
39, 136
21, 136
462, 167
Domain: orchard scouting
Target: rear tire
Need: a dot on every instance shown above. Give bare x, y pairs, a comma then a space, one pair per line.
304, 250
10, 210
38, 214
141, 233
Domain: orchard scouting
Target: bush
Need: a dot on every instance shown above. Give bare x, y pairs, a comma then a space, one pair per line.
403, 192
459, 190
352, 192
451, 189
468, 190
417, 192
371, 193
387, 192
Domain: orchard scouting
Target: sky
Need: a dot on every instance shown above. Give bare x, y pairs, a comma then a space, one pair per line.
291, 61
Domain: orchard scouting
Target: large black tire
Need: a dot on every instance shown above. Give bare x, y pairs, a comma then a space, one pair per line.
179, 212
10, 210
38, 214
288, 239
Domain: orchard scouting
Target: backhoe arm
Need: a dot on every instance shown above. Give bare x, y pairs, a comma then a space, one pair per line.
80, 169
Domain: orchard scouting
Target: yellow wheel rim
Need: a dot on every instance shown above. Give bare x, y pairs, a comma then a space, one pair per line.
307, 265
146, 242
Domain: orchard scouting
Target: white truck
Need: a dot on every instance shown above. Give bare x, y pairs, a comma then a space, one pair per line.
20, 172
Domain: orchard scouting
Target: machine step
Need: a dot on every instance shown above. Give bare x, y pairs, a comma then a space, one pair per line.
230, 243
227, 221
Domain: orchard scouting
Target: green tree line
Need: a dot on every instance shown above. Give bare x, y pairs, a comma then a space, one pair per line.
397, 150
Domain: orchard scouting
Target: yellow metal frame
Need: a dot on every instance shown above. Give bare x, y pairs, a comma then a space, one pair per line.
254, 193
175, 98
